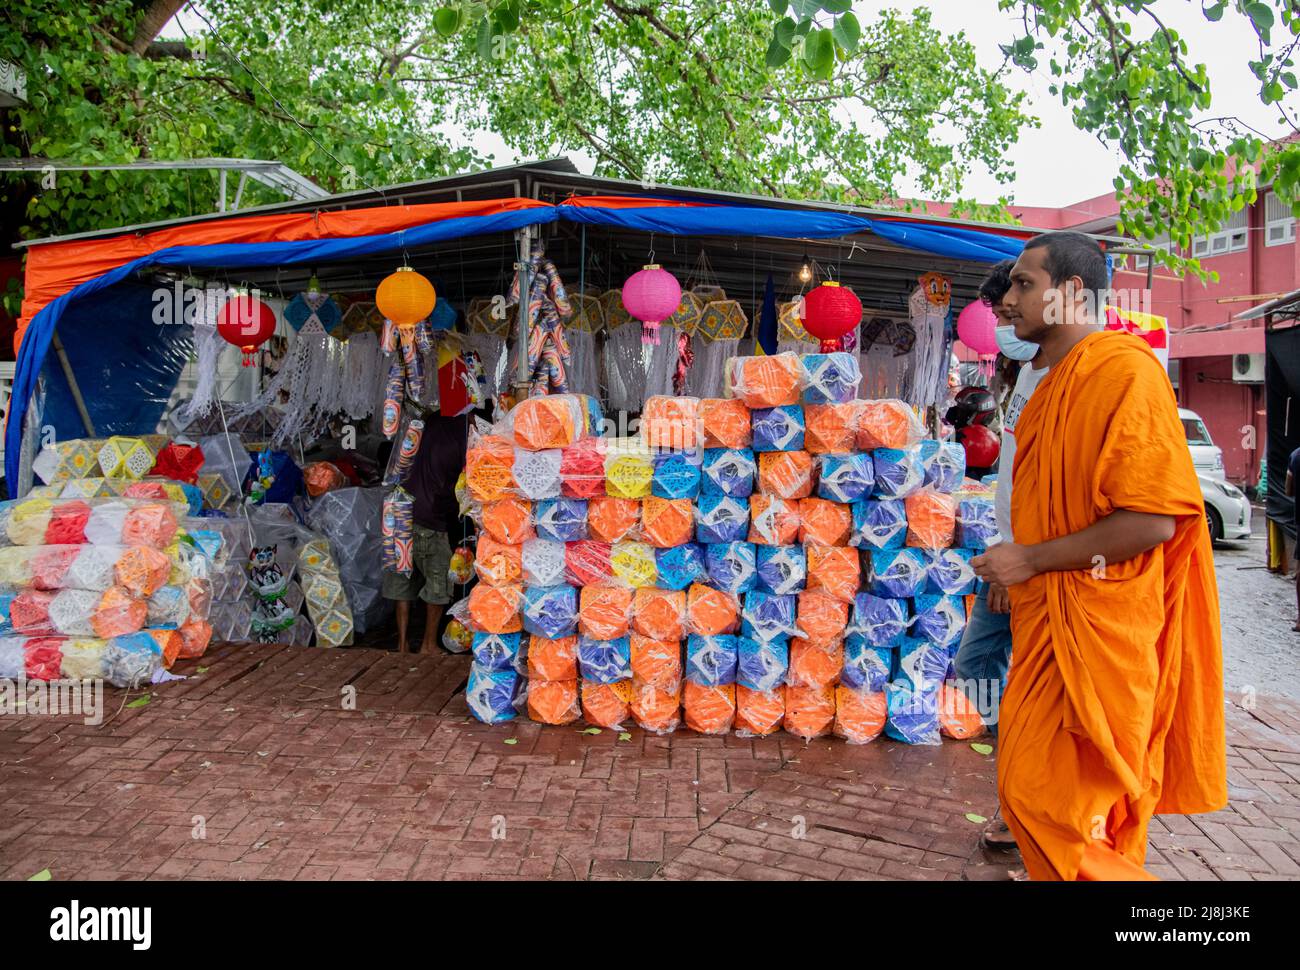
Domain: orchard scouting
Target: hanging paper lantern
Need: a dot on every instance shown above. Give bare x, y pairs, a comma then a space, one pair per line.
976, 326
246, 322
651, 295
405, 297
830, 312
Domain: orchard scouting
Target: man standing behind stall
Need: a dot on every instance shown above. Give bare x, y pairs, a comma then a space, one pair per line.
432, 484
1114, 705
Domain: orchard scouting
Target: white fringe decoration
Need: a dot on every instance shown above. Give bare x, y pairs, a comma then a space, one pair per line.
705, 378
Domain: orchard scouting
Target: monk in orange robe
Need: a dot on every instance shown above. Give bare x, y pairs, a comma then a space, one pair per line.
1113, 709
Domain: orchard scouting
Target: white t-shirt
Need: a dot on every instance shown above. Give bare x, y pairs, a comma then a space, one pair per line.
1030, 377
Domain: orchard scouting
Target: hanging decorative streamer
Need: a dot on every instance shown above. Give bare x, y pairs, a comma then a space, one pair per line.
208, 344
928, 309
625, 367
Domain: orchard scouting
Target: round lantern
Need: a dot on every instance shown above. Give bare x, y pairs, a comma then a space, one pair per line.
405, 297
246, 322
651, 295
830, 311
976, 328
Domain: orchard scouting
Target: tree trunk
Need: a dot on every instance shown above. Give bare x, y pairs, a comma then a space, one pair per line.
154, 19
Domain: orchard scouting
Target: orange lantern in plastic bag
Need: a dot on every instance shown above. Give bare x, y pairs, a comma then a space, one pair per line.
547, 422
150, 525
118, 613
655, 709
766, 382
759, 711
553, 701
606, 705
611, 519
659, 614
830, 429
141, 570
509, 520
498, 563
671, 422
726, 422
709, 710
887, 424
931, 519
657, 662
785, 474
809, 711
552, 659
495, 609
825, 523
489, 468
195, 637
958, 717
667, 522
773, 521
822, 618
815, 665
859, 715
710, 612
604, 611
835, 571
169, 644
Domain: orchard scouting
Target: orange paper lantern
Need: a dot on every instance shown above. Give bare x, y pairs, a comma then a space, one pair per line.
667, 522
815, 665
958, 717
829, 429
606, 705
931, 519
887, 424
611, 519
405, 297
552, 659
785, 474
495, 609
509, 520
498, 563
859, 715
489, 468
822, 618
604, 611
709, 710
766, 382
835, 571
671, 422
659, 614
773, 521
657, 662
710, 612
654, 709
809, 711
825, 523
759, 711
553, 701
726, 423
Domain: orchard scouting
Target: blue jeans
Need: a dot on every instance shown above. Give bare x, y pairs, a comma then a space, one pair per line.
984, 657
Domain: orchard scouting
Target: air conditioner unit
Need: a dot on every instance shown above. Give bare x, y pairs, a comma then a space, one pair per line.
1248, 368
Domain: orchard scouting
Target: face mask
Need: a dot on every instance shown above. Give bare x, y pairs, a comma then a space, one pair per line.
1013, 346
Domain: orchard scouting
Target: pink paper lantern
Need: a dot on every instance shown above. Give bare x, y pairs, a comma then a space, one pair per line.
976, 326
651, 295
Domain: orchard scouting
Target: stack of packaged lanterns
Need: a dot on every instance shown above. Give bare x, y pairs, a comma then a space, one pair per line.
747, 563
112, 588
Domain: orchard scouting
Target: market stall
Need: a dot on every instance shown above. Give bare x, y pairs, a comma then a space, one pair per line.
591, 304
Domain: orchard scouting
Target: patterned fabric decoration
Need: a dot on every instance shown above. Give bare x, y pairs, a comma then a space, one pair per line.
588, 313
790, 325
313, 304
615, 313
216, 492
687, 317
122, 457
548, 308
722, 320
334, 629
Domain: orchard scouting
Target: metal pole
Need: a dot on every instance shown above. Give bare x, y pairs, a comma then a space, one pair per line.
524, 270
77, 399
222, 179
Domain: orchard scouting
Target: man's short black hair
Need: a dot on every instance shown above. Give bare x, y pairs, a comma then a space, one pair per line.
1073, 254
996, 284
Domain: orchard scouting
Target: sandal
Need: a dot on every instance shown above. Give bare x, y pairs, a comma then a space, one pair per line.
998, 836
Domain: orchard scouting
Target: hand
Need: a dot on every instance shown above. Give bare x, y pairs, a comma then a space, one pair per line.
1005, 564
999, 599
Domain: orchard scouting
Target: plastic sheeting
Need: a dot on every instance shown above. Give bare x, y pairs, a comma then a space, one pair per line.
349, 518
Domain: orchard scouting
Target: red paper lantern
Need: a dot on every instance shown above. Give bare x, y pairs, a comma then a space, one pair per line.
829, 312
651, 295
246, 322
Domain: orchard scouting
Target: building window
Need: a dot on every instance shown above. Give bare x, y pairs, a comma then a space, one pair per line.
1140, 262
1279, 223
1232, 238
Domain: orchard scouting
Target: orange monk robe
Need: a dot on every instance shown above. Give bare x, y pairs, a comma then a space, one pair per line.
1114, 704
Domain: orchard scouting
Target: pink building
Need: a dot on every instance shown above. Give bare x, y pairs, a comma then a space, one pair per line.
1216, 364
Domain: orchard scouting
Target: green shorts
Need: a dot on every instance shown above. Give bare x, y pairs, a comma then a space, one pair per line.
429, 580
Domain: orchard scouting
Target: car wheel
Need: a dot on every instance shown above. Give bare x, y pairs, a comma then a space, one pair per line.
1215, 523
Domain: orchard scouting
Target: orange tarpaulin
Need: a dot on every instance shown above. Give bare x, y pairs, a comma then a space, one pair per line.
1114, 706
55, 268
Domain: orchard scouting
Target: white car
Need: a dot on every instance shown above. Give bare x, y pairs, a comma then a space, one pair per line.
1227, 510
1206, 455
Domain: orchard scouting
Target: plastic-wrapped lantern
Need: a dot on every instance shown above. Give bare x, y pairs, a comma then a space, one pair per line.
830, 311
651, 295
405, 297
246, 322
976, 328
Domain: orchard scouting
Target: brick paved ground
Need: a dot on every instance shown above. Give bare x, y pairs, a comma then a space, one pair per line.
407, 786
